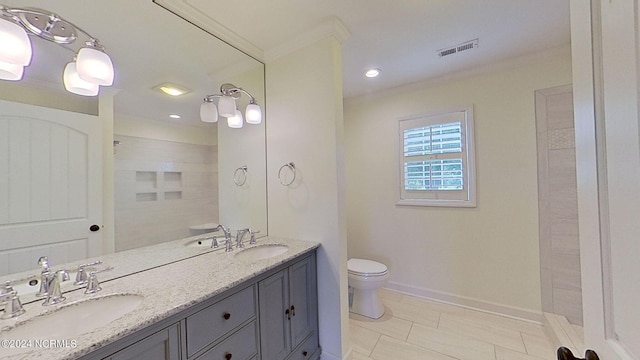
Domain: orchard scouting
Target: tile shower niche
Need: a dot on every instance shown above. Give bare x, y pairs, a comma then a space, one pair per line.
172, 185
161, 189
146, 186
148, 189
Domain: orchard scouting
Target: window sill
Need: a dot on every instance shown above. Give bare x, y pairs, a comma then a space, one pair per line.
438, 203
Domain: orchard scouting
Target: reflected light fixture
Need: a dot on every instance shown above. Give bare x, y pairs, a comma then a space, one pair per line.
73, 83
227, 107
175, 116
235, 121
90, 68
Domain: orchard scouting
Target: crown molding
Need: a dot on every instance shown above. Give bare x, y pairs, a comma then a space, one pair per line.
193, 15
330, 27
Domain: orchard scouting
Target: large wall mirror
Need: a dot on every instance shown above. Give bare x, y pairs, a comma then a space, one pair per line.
146, 178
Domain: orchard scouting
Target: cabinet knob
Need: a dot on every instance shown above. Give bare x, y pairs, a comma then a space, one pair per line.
286, 312
226, 316
304, 353
293, 310
227, 356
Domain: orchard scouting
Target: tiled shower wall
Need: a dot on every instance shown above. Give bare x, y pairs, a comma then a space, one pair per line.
559, 241
162, 188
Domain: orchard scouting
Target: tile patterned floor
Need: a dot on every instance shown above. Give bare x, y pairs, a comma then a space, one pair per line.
418, 329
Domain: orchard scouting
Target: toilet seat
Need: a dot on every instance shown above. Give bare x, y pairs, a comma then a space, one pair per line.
367, 268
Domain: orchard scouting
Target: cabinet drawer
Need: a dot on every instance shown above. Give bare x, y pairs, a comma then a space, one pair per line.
209, 324
306, 349
240, 346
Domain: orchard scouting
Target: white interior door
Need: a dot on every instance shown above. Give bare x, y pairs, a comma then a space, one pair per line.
605, 51
50, 186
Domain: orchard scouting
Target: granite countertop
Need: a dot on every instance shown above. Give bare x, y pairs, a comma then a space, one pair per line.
166, 289
124, 262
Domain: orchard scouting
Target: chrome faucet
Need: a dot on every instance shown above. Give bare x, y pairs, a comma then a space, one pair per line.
43, 261
12, 306
252, 240
5, 292
54, 294
239, 237
93, 285
227, 237
81, 275
214, 242
225, 230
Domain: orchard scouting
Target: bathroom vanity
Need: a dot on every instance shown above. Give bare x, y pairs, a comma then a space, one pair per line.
219, 305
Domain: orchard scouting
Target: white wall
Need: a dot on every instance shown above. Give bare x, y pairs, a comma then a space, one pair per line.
305, 126
484, 257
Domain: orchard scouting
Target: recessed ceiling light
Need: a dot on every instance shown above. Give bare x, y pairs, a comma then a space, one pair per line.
175, 116
172, 89
371, 73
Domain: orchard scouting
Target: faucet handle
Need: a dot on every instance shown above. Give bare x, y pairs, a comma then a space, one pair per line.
93, 285
228, 245
5, 290
214, 242
252, 240
13, 307
43, 261
81, 275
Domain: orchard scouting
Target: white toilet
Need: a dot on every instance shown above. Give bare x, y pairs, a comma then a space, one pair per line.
365, 278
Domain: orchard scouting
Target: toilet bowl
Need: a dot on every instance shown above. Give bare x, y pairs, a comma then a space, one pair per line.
365, 278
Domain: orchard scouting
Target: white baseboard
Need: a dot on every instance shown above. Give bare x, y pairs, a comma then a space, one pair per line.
468, 302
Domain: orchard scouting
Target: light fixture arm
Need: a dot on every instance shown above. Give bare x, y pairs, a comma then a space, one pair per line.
56, 29
234, 91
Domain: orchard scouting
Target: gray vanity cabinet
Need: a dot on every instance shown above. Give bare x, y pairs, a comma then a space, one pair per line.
288, 313
273, 316
165, 344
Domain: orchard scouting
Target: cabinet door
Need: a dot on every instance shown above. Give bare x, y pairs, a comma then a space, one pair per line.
164, 344
273, 294
302, 295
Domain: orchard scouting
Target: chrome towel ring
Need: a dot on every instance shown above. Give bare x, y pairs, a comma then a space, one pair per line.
292, 167
240, 175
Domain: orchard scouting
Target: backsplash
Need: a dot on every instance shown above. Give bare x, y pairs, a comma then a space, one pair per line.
162, 188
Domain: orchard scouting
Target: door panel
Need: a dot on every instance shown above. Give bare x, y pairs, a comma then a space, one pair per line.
301, 295
50, 185
275, 343
605, 48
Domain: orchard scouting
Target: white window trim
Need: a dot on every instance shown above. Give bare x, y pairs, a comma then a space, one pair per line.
469, 174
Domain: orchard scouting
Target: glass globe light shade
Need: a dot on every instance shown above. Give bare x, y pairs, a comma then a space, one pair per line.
15, 46
208, 112
253, 114
94, 66
11, 72
236, 121
227, 106
73, 83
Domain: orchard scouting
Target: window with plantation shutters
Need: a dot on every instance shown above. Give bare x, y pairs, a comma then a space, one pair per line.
437, 159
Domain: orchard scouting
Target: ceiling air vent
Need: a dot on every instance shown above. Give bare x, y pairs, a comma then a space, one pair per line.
458, 48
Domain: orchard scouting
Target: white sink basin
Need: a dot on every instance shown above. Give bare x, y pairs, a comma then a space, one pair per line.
261, 252
72, 320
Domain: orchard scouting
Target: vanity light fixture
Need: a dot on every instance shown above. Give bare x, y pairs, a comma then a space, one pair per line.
227, 107
90, 68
